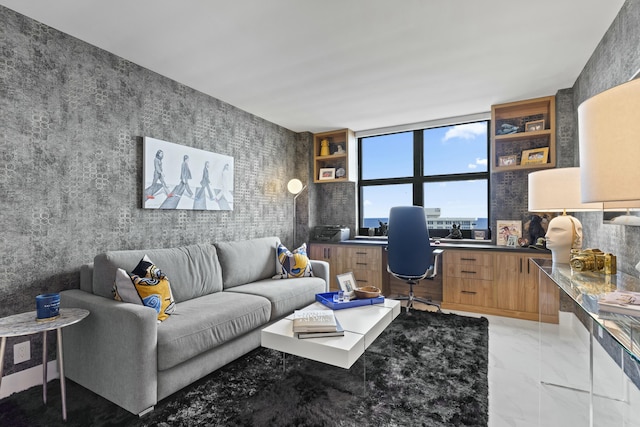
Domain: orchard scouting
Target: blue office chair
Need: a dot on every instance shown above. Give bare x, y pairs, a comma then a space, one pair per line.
410, 255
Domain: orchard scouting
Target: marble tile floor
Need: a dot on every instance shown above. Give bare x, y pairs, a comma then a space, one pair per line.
527, 363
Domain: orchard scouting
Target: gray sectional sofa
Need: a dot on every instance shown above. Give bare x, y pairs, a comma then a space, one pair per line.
224, 295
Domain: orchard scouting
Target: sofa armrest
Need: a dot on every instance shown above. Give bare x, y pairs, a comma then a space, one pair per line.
321, 269
112, 352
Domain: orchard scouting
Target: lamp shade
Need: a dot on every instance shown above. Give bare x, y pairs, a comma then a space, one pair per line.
557, 190
295, 186
609, 138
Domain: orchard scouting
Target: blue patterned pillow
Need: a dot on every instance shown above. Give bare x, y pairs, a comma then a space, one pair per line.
292, 264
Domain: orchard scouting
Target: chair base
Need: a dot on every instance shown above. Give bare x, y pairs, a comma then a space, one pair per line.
411, 298
417, 299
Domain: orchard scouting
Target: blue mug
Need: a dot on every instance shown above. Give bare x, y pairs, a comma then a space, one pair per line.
47, 306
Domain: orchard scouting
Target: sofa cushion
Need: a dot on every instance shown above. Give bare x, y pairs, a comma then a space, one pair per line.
247, 261
194, 270
146, 285
154, 288
124, 289
292, 264
204, 323
285, 296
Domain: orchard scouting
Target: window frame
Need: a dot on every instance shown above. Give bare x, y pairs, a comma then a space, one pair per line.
419, 178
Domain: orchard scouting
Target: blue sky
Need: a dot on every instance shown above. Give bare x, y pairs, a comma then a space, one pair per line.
450, 149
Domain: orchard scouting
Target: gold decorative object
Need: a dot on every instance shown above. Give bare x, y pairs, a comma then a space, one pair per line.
593, 260
324, 147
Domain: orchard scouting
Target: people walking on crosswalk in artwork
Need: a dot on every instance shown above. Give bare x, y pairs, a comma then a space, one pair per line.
185, 176
167, 165
158, 178
205, 183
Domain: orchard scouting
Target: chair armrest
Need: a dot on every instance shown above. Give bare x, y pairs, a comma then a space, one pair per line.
321, 269
436, 258
113, 351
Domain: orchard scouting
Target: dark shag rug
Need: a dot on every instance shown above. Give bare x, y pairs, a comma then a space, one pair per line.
426, 369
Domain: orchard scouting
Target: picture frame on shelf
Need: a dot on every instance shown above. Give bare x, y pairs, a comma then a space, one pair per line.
534, 126
347, 283
507, 228
535, 156
512, 241
479, 234
327, 173
510, 160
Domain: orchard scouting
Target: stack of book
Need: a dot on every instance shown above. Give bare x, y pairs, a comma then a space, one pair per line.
316, 323
622, 302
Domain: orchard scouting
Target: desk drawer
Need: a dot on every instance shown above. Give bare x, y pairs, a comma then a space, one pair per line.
367, 278
469, 271
469, 292
468, 258
356, 255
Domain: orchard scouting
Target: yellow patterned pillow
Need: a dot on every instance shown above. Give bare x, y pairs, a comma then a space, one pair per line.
150, 287
292, 264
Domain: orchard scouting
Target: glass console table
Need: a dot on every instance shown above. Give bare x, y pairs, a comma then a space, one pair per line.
589, 360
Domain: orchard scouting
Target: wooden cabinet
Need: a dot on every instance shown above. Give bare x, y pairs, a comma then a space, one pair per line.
468, 280
365, 262
523, 135
516, 284
491, 282
338, 162
331, 254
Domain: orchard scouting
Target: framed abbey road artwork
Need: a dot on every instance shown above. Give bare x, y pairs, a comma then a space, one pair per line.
179, 177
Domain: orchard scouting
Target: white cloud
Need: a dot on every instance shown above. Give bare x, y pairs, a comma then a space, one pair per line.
466, 131
479, 161
368, 203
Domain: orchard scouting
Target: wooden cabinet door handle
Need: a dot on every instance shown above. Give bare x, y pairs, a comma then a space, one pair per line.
361, 253
468, 292
468, 259
361, 263
468, 272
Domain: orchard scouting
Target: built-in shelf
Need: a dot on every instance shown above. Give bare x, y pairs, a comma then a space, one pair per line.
340, 164
523, 135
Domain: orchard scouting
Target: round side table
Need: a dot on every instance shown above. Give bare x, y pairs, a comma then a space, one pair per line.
26, 324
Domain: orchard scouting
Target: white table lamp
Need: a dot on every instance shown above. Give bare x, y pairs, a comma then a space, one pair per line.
558, 190
609, 138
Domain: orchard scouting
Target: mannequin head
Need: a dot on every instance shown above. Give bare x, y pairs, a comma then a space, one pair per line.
563, 234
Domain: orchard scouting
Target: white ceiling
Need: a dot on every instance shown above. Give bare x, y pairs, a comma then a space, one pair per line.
316, 65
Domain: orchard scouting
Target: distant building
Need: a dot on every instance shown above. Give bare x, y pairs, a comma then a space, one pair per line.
435, 222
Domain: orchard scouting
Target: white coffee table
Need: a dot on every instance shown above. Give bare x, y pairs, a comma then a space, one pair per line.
362, 325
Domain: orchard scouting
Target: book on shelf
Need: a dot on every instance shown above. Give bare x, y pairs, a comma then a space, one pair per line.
621, 302
314, 321
339, 332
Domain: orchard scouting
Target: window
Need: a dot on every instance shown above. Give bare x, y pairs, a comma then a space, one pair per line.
444, 169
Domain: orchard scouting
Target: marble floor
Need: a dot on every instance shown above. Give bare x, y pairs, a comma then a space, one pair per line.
539, 376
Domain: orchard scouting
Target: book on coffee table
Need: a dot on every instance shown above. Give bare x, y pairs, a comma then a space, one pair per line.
314, 321
339, 332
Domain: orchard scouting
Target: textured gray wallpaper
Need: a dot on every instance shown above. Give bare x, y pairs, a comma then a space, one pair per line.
615, 60
72, 121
